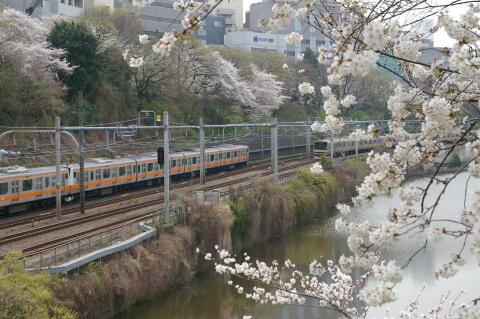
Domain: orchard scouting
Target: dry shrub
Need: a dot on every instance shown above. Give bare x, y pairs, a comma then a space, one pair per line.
276, 211
136, 275
210, 223
350, 174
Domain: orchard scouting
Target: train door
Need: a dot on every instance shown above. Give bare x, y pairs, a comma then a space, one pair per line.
15, 189
184, 165
37, 186
114, 171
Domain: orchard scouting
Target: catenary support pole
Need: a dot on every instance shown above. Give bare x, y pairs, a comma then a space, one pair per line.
166, 167
82, 153
308, 143
58, 158
331, 146
107, 140
202, 152
261, 129
356, 145
35, 146
275, 150
293, 140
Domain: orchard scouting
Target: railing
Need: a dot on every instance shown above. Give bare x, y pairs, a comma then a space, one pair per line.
83, 246
61, 258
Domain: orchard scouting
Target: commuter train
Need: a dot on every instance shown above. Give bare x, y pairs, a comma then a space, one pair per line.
22, 188
347, 146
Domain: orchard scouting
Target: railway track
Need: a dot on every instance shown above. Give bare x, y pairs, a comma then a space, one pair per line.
31, 233
156, 190
60, 241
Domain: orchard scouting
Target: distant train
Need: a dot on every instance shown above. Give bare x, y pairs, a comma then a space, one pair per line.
23, 188
347, 146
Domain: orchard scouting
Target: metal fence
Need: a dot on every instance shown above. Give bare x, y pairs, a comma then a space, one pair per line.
80, 251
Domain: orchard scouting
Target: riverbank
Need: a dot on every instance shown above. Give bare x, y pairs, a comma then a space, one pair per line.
102, 290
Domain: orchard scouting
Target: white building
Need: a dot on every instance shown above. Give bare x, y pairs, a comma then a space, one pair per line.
253, 41
96, 3
232, 11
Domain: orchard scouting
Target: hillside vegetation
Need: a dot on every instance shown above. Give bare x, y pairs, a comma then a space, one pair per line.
45, 63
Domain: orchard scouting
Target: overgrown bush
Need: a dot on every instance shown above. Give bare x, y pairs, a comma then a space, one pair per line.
133, 276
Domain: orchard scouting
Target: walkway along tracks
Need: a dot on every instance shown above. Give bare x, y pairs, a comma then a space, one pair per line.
89, 218
60, 241
71, 210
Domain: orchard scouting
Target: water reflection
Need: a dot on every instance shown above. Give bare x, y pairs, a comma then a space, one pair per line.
210, 298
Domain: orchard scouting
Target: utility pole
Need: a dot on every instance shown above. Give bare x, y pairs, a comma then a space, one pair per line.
275, 150
107, 140
293, 140
202, 152
166, 167
58, 158
261, 129
331, 146
82, 153
309, 138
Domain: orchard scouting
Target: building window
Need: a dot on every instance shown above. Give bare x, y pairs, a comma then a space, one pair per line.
218, 24
161, 4
305, 41
320, 42
160, 19
201, 32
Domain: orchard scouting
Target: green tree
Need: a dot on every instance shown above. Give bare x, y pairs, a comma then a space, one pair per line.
25, 295
310, 57
81, 47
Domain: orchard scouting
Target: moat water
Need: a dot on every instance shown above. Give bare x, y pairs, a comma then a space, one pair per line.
209, 297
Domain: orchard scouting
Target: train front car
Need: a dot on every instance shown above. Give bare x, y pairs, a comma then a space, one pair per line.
23, 188
320, 148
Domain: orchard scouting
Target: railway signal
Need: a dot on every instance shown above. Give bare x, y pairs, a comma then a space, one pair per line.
161, 155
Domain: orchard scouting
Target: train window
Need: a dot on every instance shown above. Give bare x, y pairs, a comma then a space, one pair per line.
114, 172
150, 167
97, 174
129, 170
3, 188
194, 160
228, 155
47, 182
91, 175
174, 163
144, 167
27, 185
121, 171
106, 173
184, 161
212, 157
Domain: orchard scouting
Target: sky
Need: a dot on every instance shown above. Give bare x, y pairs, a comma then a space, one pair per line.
440, 38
